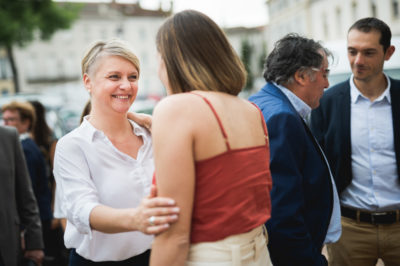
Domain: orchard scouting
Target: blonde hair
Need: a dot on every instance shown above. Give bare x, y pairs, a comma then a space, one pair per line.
112, 47
25, 109
198, 56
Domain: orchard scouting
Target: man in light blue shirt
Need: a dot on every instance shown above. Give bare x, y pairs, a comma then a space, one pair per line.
357, 125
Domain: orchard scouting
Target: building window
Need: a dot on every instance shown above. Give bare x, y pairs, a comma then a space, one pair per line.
60, 69
354, 10
325, 26
119, 31
395, 8
142, 34
373, 8
338, 22
86, 33
103, 34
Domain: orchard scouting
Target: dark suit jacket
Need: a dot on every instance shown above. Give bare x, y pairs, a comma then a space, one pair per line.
17, 202
301, 194
330, 123
38, 173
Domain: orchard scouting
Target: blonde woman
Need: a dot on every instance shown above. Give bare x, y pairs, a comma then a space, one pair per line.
104, 168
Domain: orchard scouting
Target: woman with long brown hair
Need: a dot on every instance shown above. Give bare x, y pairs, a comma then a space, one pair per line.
210, 149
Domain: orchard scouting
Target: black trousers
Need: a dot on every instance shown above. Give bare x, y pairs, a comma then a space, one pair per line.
140, 260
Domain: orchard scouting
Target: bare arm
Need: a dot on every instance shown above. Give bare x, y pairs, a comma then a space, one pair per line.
172, 150
110, 220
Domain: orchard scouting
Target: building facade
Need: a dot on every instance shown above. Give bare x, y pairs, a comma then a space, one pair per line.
334, 17
254, 40
59, 59
328, 21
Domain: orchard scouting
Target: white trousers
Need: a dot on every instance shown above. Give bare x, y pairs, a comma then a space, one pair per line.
247, 249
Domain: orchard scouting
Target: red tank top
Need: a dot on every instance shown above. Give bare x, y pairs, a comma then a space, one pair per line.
232, 190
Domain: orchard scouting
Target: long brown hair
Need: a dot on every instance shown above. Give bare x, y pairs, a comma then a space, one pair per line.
198, 56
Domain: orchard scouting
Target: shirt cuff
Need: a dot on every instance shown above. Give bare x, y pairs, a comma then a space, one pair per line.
82, 221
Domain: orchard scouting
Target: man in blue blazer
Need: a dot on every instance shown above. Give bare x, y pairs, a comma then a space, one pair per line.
305, 210
358, 126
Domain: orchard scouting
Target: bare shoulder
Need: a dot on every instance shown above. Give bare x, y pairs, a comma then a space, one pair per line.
182, 105
248, 107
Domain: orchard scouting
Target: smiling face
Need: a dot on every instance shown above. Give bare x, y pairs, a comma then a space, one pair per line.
366, 54
113, 84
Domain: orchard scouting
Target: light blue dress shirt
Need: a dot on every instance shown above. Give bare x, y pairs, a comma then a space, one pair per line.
335, 227
375, 185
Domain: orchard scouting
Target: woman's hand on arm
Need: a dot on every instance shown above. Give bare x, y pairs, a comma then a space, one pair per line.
111, 220
143, 120
85, 211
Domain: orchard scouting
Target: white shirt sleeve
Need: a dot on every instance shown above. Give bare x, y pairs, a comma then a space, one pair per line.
78, 192
58, 209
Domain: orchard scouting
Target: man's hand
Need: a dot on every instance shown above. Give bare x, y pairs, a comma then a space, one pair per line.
36, 255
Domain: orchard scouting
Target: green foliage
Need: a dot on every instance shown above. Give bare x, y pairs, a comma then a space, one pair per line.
246, 52
20, 20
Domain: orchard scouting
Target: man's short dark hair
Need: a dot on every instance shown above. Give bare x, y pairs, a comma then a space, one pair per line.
290, 54
369, 24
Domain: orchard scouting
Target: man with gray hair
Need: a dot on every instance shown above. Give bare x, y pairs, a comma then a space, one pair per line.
305, 210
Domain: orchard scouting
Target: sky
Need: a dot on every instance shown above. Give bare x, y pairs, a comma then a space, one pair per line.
227, 13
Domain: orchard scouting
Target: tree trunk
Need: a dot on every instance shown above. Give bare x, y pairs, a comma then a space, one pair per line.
14, 69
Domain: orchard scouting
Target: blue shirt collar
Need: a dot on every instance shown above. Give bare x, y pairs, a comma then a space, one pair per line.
356, 95
301, 107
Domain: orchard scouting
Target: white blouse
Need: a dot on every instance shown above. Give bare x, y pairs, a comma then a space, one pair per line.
90, 171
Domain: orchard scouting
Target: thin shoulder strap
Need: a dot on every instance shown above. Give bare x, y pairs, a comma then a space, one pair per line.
218, 120
263, 125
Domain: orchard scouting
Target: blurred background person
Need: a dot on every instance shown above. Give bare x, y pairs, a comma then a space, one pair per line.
43, 136
104, 167
18, 205
210, 148
21, 115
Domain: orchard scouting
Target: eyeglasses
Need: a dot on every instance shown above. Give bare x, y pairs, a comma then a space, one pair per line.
10, 119
325, 71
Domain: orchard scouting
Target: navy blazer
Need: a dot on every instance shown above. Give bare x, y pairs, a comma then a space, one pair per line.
330, 123
301, 195
38, 173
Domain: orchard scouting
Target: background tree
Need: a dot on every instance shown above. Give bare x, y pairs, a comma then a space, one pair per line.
246, 53
23, 20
